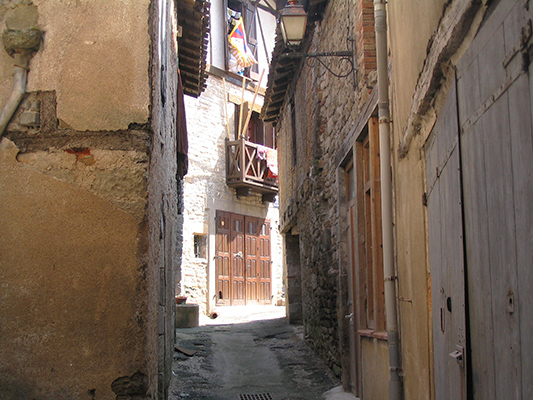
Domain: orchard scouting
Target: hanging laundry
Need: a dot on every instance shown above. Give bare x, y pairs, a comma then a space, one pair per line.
272, 163
262, 152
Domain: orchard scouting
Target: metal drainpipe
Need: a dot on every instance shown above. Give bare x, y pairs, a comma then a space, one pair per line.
19, 88
380, 18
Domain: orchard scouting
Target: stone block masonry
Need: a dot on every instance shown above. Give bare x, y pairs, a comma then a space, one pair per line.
205, 191
324, 109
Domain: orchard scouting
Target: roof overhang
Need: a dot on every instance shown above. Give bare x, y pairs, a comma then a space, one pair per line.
193, 17
283, 69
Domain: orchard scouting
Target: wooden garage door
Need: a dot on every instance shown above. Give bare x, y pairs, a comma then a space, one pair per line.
243, 262
446, 254
480, 162
497, 170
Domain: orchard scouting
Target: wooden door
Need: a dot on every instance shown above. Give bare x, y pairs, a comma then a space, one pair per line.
243, 265
252, 260
446, 254
497, 163
237, 260
222, 257
265, 263
351, 217
494, 156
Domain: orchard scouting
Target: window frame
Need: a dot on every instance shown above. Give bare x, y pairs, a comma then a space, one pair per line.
200, 246
372, 322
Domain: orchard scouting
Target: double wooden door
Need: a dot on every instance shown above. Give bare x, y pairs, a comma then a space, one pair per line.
242, 259
479, 162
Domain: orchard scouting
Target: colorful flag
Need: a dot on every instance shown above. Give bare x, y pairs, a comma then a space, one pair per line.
238, 46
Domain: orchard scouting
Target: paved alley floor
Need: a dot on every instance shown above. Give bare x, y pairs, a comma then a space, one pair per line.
249, 353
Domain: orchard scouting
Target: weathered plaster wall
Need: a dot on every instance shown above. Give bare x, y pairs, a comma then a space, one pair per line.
96, 63
206, 191
409, 41
91, 205
71, 287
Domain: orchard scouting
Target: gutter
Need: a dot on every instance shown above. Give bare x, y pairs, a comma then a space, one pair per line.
391, 309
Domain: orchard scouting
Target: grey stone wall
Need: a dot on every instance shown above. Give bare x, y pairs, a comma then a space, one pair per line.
163, 223
325, 109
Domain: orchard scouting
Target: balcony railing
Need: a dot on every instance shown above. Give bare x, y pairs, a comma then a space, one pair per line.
249, 167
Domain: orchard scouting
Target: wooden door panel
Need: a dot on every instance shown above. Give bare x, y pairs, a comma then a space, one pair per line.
264, 263
238, 259
222, 258
522, 150
446, 254
497, 159
251, 259
242, 260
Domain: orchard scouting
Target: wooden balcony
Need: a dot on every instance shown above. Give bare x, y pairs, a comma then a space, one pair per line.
247, 169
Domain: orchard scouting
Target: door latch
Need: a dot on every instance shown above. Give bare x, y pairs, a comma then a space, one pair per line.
350, 317
458, 354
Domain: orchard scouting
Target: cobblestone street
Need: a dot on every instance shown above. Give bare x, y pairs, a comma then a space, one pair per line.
249, 353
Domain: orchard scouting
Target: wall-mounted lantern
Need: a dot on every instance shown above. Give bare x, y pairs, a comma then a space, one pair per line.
293, 21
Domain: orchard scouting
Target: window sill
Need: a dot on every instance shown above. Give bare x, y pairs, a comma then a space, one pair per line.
369, 333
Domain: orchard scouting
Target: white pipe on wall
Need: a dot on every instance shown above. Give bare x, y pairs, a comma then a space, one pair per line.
395, 384
19, 88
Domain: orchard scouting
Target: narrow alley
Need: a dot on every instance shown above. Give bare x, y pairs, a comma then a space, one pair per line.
249, 353
347, 184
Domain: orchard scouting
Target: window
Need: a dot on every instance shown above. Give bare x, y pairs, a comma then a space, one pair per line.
200, 246
247, 11
370, 255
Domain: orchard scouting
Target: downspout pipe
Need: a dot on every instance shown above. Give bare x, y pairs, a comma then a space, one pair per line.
19, 89
21, 45
395, 383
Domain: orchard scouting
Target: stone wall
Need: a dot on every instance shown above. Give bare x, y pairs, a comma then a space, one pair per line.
206, 191
162, 222
325, 110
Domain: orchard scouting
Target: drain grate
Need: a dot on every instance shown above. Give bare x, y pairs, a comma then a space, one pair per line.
256, 396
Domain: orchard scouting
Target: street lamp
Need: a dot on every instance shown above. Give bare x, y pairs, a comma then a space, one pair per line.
293, 20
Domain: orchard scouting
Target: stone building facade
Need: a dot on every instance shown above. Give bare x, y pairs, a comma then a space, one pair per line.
90, 199
211, 123
316, 129
460, 95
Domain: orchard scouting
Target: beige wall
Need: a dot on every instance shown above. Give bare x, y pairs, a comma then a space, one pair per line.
90, 218
374, 368
94, 56
69, 258
411, 25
